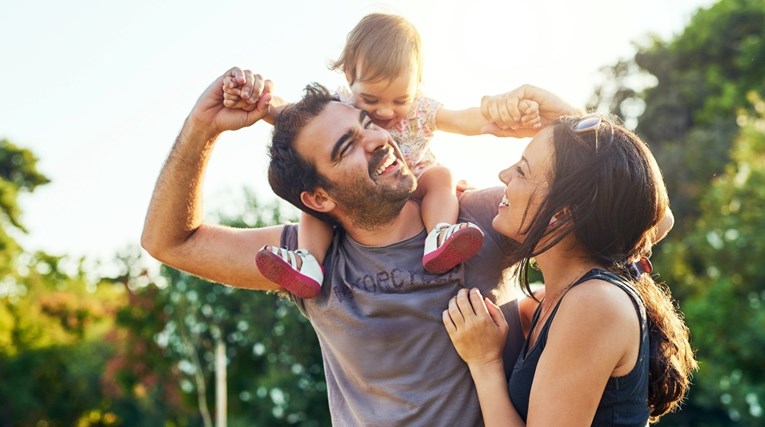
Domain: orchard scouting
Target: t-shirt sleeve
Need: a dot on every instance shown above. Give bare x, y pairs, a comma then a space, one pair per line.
515, 338
427, 111
289, 241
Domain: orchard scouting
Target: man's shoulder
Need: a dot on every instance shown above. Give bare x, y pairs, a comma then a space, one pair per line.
480, 207
481, 198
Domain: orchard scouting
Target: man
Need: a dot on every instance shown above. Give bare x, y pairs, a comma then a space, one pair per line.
387, 357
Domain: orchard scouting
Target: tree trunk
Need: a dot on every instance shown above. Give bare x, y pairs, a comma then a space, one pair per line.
220, 382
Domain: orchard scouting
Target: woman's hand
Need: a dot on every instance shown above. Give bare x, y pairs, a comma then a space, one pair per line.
477, 328
523, 111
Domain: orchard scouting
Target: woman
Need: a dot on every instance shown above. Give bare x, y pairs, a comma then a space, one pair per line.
606, 345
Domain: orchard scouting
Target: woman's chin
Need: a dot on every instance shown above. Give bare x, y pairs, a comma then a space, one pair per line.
501, 226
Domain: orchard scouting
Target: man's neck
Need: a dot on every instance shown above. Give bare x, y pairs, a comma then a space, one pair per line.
406, 224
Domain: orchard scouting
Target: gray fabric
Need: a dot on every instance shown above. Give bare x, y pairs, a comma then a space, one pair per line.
387, 357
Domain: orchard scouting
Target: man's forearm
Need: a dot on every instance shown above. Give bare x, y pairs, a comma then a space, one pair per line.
175, 211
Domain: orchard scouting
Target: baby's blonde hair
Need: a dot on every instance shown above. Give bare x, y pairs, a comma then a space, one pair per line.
388, 45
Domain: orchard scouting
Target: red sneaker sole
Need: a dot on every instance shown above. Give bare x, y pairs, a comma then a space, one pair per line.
277, 270
461, 246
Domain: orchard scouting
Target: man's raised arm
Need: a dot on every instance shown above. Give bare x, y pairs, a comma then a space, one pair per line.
174, 231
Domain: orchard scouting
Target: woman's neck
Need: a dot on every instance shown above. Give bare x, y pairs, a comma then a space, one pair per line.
561, 267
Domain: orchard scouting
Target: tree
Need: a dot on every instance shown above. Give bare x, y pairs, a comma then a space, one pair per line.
51, 354
718, 265
274, 365
55, 322
700, 78
18, 174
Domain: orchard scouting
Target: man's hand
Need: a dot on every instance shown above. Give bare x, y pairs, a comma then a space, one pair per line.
211, 117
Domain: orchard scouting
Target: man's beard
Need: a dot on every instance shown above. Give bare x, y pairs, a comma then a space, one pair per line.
370, 206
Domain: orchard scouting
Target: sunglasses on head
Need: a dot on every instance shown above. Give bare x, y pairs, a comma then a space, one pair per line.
587, 124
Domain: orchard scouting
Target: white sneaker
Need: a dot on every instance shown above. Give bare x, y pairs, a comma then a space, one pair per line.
460, 242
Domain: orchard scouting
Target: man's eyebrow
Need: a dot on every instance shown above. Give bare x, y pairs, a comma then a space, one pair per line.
339, 144
345, 137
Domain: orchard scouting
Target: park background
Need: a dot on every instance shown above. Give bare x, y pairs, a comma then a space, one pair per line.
93, 332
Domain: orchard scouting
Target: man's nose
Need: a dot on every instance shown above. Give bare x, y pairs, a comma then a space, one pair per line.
375, 139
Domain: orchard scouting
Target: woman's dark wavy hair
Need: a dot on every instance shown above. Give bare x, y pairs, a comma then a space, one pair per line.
288, 172
616, 196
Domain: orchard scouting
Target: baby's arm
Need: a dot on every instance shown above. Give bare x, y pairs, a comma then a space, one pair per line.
472, 121
469, 121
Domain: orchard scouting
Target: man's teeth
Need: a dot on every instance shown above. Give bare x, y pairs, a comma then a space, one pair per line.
388, 161
504, 201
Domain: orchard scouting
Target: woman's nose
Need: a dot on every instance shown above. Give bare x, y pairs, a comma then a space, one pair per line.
504, 175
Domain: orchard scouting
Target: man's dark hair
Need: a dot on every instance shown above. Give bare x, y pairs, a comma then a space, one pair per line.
288, 173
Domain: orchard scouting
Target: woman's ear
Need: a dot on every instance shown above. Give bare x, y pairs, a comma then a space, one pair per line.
317, 200
561, 217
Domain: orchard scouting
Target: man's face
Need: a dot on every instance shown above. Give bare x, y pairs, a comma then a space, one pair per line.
371, 181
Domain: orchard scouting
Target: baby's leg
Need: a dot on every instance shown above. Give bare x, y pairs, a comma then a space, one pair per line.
447, 244
314, 235
439, 198
299, 271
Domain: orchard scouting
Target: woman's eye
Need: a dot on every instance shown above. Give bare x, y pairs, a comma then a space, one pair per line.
520, 171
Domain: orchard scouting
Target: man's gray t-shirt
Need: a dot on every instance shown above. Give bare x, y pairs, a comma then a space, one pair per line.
388, 360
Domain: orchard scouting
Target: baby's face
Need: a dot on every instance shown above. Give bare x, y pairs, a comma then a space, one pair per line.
386, 101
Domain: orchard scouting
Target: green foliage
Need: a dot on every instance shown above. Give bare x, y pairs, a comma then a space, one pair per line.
55, 384
696, 99
702, 77
718, 265
137, 350
275, 374
18, 172
51, 354
170, 330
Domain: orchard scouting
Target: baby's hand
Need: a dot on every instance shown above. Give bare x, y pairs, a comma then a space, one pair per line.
511, 115
232, 91
243, 90
530, 117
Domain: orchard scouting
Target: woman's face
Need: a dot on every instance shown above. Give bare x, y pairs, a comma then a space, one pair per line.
527, 186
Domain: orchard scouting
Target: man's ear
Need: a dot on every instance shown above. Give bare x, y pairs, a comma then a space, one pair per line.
317, 200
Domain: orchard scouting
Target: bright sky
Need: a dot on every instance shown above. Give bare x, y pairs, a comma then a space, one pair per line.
99, 89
